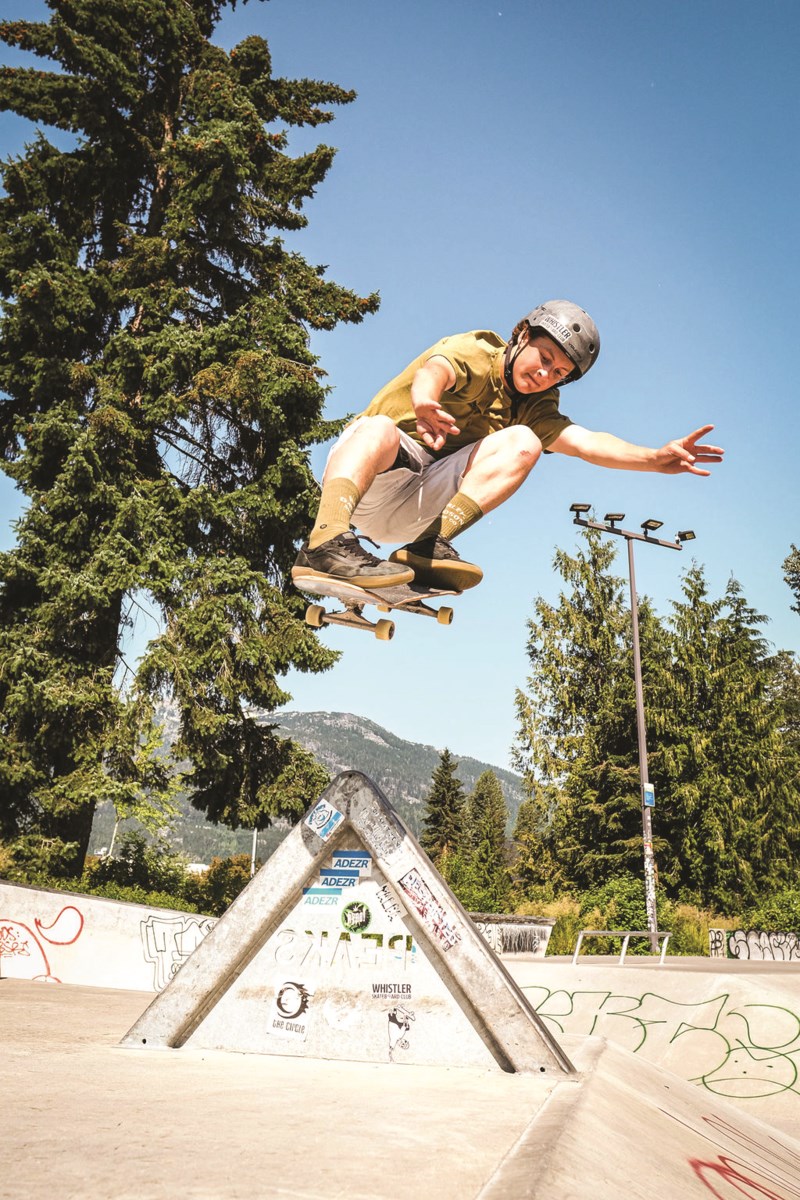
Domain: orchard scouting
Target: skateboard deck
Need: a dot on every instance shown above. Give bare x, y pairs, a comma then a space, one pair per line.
405, 597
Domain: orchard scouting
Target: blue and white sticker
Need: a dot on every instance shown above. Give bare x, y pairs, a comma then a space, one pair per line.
321, 895
324, 819
352, 860
330, 877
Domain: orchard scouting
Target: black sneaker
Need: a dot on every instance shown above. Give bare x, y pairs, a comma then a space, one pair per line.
436, 564
344, 558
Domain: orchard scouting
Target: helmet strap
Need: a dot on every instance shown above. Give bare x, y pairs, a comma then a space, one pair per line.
512, 351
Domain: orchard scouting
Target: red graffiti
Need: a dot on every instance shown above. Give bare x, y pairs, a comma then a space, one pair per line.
10, 942
723, 1173
67, 925
18, 942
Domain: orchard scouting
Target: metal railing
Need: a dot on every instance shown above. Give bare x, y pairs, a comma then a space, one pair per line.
626, 935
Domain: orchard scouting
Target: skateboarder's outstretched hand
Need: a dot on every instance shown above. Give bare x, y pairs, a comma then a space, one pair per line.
683, 454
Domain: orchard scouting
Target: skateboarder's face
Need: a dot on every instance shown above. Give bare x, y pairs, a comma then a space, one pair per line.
541, 364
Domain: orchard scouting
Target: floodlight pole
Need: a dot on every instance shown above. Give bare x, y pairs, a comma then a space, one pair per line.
644, 774
609, 526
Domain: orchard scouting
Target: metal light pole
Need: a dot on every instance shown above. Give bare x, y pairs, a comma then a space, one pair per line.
253, 852
609, 525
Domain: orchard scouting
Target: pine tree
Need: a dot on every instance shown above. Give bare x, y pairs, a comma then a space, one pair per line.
159, 402
443, 822
576, 738
724, 768
604, 839
484, 850
722, 755
791, 573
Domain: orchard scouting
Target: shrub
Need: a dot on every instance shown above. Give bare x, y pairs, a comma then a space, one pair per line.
151, 866
33, 859
779, 913
620, 904
569, 922
217, 888
689, 925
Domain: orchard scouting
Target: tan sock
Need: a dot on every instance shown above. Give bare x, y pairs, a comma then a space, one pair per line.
339, 500
458, 514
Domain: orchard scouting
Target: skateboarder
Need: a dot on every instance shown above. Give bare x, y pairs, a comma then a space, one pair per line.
452, 437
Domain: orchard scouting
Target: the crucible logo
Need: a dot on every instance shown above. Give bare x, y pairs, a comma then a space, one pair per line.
292, 1000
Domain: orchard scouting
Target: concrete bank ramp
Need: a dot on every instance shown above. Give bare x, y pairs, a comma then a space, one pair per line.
731, 1028
626, 1128
349, 945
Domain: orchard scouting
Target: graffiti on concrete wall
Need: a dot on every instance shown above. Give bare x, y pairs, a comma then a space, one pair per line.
23, 953
770, 947
510, 937
744, 1051
756, 944
168, 941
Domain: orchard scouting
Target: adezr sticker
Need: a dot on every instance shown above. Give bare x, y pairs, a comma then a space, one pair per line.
324, 819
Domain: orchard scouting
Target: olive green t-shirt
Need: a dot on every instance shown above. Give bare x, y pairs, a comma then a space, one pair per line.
477, 400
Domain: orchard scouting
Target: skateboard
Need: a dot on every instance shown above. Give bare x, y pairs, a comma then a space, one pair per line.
405, 597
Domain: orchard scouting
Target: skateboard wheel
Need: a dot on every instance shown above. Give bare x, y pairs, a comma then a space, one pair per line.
444, 616
384, 607
384, 631
315, 616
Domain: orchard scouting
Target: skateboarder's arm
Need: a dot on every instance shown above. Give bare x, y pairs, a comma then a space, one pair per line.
434, 423
678, 457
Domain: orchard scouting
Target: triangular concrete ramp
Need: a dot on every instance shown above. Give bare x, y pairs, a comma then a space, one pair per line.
348, 944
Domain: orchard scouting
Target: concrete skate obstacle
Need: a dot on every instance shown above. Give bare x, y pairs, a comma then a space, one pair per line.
348, 944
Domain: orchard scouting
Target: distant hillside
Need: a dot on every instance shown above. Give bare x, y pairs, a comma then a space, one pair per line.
341, 742
401, 769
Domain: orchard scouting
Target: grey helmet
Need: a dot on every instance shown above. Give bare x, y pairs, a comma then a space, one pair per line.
572, 329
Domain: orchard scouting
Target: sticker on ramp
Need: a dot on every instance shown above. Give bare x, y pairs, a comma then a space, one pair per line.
323, 819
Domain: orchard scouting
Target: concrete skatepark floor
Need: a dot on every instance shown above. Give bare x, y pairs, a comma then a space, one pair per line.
85, 1118
88, 1119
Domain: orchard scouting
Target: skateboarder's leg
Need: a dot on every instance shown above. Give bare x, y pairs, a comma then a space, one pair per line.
366, 449
497, 467
362, 453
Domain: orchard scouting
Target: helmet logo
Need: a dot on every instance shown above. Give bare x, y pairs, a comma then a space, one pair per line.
549, 322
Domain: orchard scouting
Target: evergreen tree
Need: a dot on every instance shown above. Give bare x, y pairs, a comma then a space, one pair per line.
718, 713
791, 573
159, 399
576, 737
785, 694
443, 822
604, 838
485, 848
724, 769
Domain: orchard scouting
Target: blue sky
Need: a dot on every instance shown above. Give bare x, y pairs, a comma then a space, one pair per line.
639, 158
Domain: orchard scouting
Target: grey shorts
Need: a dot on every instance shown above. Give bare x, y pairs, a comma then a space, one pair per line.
404, 500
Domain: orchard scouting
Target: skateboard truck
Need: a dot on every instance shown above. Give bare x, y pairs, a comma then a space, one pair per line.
404, 598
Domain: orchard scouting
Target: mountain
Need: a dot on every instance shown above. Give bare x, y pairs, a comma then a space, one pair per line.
401, 769
341, 742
